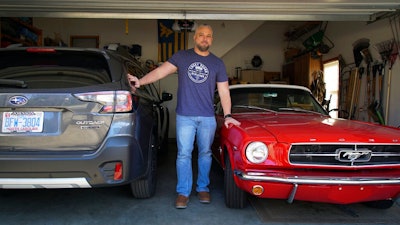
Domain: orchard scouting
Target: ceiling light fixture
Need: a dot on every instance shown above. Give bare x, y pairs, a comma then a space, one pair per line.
184, 25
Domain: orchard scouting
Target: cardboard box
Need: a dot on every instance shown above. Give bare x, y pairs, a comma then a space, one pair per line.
271, 76
252, 76
259, 76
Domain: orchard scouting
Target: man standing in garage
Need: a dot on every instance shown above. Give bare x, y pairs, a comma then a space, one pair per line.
199, 73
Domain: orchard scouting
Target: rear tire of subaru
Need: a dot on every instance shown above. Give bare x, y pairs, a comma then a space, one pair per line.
146, 187
164, 147
234, 196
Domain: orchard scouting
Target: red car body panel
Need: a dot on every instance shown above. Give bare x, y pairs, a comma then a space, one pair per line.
310, 128
319, 182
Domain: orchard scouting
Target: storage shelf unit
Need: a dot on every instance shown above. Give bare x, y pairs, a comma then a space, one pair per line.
300, 70
19, 31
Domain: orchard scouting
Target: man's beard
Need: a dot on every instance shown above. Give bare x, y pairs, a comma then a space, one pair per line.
203, 48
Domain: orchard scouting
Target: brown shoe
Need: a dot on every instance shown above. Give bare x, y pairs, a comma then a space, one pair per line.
181, 202
204, 197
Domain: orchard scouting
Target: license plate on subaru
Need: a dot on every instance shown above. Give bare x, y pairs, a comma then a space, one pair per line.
22, 122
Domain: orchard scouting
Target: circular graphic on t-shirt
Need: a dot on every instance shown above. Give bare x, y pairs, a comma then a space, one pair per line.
198, 72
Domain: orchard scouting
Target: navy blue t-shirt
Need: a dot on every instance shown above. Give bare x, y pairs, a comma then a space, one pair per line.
197, 77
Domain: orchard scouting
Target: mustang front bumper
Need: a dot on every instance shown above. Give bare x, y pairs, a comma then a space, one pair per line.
320, 188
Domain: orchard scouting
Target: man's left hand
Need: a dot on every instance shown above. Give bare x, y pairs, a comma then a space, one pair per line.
230, 121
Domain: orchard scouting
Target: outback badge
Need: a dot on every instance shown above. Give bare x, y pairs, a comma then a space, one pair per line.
18, 100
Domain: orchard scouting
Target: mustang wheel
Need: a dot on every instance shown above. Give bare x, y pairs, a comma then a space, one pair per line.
146, 187
234, 196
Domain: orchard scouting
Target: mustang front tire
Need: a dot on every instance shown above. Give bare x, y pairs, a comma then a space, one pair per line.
234, 196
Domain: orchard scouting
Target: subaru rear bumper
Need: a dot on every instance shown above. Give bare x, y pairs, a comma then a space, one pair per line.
74, 169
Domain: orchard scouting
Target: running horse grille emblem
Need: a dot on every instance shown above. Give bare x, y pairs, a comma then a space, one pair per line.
353, 155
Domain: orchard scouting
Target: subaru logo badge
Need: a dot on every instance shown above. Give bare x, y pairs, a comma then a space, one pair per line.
18, 100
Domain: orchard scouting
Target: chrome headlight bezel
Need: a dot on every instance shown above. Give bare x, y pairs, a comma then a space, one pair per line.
256, 152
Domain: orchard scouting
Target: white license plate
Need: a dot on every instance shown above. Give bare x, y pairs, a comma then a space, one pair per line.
22, 122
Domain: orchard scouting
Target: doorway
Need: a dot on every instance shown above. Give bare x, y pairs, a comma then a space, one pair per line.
331, 80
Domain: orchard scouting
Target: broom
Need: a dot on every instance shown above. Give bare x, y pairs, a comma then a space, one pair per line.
385, 49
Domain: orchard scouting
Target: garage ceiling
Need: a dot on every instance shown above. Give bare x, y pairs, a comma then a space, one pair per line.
287, 10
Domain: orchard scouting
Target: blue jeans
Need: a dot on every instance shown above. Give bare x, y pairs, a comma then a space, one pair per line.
189, 128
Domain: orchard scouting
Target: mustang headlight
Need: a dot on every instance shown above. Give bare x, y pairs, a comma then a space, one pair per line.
257, 152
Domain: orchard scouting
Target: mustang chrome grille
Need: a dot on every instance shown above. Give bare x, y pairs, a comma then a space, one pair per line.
344, 155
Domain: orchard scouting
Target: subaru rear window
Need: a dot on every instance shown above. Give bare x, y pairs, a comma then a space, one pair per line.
58, 69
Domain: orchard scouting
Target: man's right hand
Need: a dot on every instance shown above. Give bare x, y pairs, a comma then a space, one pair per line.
134, 82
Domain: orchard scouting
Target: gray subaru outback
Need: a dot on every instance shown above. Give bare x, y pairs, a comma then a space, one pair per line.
69, 120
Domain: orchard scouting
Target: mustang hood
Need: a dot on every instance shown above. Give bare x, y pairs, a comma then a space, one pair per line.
304, 128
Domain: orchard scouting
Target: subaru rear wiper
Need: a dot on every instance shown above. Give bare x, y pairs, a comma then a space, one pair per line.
15, 83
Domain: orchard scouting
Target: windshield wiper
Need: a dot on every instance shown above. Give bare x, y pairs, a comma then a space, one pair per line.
252, 107
297, 110
15, 83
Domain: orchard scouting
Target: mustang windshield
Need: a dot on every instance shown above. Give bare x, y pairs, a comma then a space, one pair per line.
274, 98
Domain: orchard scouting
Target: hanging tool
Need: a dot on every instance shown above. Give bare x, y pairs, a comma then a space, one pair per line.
367, 97
358, 46
379, 108
357, 92
392, 60
375, 109
352, 85
368, 94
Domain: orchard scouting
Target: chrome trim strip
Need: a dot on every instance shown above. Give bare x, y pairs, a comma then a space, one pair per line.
318, 180
31, 183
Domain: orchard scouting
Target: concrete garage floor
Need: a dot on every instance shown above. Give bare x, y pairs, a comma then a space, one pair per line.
116, 206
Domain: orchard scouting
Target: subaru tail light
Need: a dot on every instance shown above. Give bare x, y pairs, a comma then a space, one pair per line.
112, 101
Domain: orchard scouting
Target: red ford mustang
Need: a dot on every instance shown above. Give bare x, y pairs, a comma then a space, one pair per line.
288, 147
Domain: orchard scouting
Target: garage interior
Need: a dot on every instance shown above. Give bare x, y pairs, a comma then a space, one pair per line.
291, 40
355, 33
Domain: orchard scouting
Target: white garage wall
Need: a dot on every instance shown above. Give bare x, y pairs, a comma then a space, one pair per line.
267, 42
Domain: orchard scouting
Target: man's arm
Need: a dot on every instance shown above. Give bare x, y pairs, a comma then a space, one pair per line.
158, 73
225, 96
223, 91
